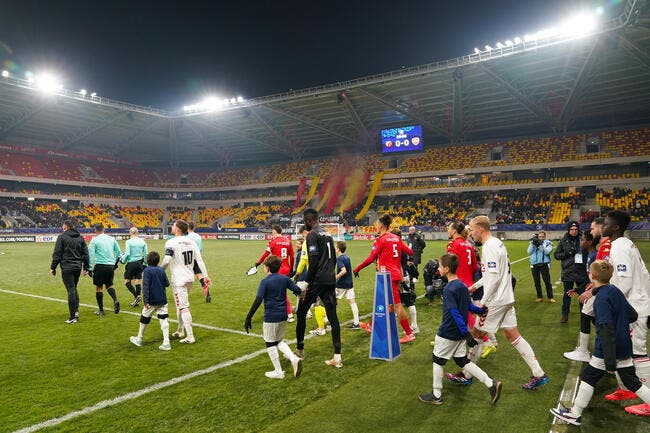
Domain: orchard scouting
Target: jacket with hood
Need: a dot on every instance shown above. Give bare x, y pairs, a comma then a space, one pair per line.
566, 250
70, 251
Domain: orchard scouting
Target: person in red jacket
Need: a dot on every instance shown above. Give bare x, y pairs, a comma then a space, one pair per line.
387, 250
281, 247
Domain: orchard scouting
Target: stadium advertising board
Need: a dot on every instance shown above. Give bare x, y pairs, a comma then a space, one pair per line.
402, 139
17, 238
363, 237
234, 236
252, 236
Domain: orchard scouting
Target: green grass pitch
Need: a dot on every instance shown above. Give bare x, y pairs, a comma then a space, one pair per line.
50, 369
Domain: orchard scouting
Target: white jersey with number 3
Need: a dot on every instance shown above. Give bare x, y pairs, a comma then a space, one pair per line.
180, 254
497, 280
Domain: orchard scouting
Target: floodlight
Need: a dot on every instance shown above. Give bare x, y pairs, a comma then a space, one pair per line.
210, 103
47, 83
30, 79
529, 38
499, 45
240, 99
83, 92
488, 48
233, 100
225, 102
600, 10
517, 40
509, 43
477, 51
580, 24
5, 74
92, 95
188, 107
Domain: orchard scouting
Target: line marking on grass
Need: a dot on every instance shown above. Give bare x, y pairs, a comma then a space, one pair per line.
133, 313
135, 394
567, 394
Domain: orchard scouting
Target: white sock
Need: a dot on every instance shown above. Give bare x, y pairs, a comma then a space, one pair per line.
275, 357
585, 391
644, 394
414, 316
438, 372
527, 353
286, 350
584, 342
493, 339
355, 312
187, 323
164, 327
179, 316
642, 368
476, 371
143, 326
337, 357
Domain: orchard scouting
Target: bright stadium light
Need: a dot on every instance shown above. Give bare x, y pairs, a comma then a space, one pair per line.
509, 43
225, 102
477, 51
47, 83
580, 24
92, 95
517, 40
240, 99
488, 48
5, 74
233, 101
499, 45
600, 10
83, 92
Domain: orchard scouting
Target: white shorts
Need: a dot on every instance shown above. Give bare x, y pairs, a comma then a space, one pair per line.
499, 316
599, 363
588, 306
447, 349
160, 309
345, 293
274, 331
181, 295
639, 331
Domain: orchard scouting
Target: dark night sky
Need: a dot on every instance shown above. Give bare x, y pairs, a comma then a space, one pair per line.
166, 54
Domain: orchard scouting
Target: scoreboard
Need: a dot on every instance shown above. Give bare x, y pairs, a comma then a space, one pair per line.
402, 139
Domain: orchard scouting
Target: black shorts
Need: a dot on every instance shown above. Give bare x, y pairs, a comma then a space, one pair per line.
103, 275
197, 268
133, 270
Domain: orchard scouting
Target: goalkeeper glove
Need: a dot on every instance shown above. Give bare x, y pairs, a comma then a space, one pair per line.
356, 275
247, 324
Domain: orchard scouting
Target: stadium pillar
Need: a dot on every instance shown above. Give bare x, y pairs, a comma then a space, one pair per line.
384, 341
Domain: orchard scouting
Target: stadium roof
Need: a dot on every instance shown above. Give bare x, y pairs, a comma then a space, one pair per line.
539, 87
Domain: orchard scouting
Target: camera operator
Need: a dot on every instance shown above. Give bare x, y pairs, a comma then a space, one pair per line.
573, 260
540, 261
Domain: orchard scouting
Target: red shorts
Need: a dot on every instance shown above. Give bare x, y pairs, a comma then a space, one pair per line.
396, 298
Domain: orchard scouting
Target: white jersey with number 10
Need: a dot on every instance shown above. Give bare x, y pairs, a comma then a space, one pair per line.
180, 254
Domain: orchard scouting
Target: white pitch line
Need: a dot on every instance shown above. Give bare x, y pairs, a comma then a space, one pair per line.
135, 394
567, 395
194, 324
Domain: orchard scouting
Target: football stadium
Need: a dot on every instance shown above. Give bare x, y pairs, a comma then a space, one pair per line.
547, 134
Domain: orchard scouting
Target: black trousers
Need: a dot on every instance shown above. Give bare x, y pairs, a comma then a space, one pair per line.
542, 269
328, 297
70, 280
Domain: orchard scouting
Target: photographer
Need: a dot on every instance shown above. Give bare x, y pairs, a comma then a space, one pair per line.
573, 260
540, 261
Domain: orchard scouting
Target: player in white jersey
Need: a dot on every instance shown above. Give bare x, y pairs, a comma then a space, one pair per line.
199, 243
632, 278
180, 254
499, 298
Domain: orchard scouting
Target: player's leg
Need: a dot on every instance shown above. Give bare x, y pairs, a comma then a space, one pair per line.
581, 352
639, 330
180, 331
328, 296
301, 321
589, 377
401, 314
441, 353
296, 361
109, 274
510, 330
128, 272
184, 310
354, 307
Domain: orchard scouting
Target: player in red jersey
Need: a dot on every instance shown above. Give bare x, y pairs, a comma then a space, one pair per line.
282, 247
387, 250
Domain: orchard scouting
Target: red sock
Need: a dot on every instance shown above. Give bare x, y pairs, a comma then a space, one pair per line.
289, 305
406, 326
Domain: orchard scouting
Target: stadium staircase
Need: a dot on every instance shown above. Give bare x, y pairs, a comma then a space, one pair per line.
376, 184
165, 219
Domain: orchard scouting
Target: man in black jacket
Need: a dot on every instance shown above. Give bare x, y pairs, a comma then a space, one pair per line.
574, 270
71, 252
417, 244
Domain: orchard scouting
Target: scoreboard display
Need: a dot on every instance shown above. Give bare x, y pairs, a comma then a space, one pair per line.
402, 139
